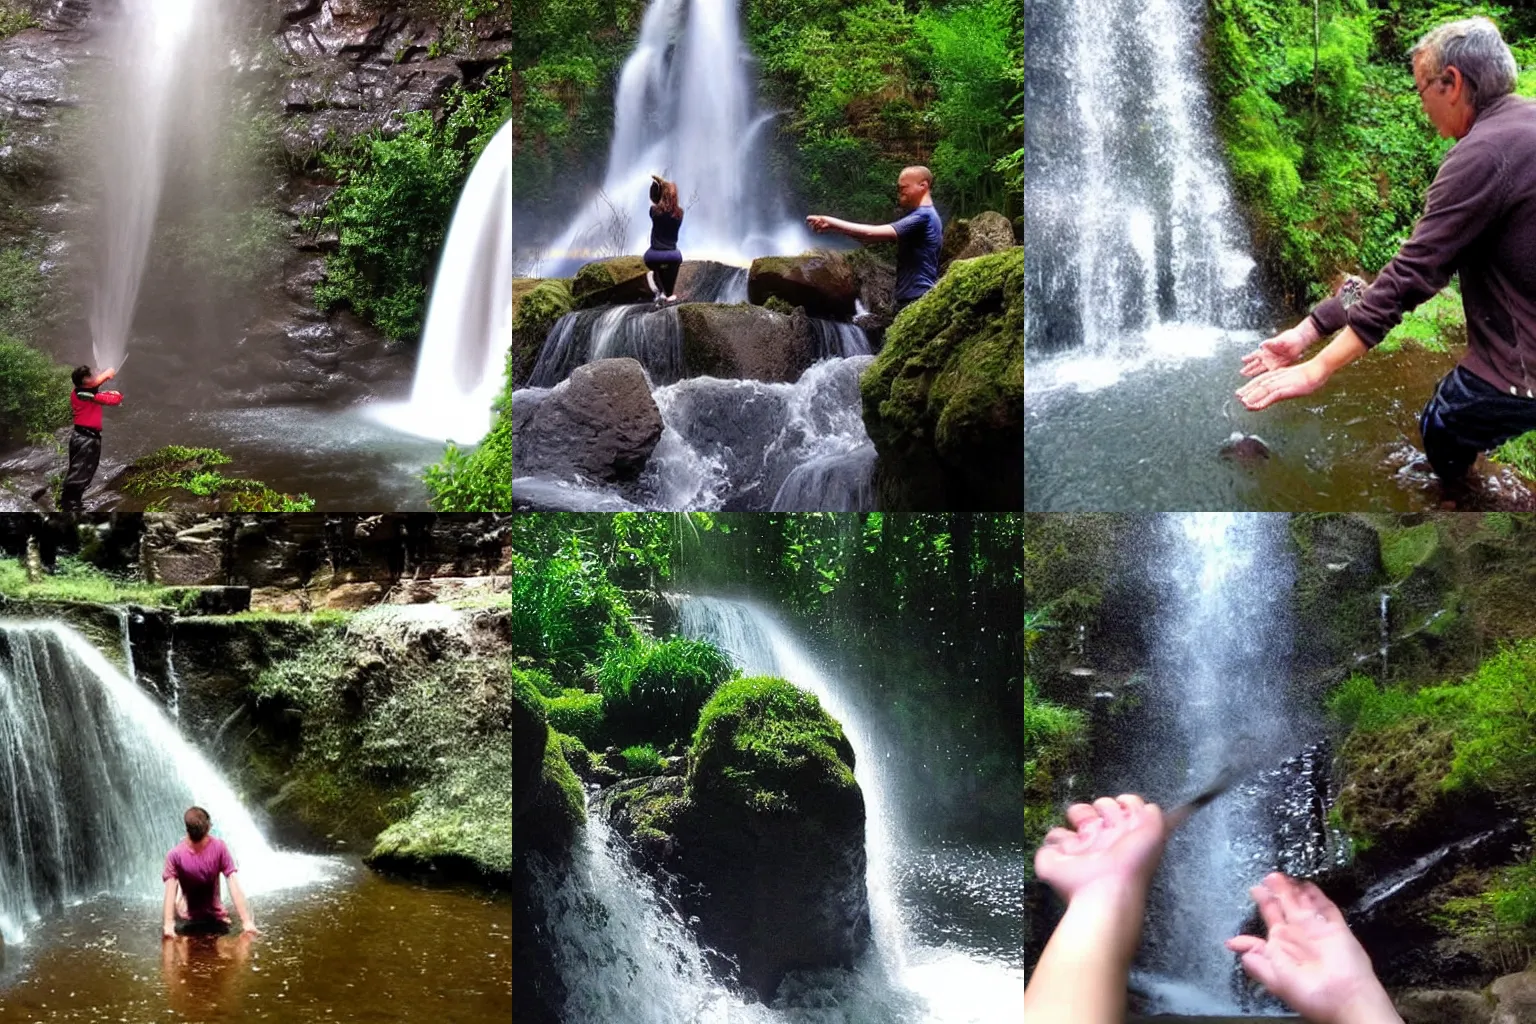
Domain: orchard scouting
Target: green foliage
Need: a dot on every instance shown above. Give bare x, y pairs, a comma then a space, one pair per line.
22, 291
1519, 452
767, 745
14, 17
74, 580
34, 393
565, 612
479, 480
1434, 326
1052, 736
1357, 703
1405, 549
580, 714
642, 760
395, 202
656, 690
165, 474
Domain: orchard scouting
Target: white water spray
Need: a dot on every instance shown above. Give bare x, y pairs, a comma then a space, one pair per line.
684, 110
93, 782
162, 55
468, 331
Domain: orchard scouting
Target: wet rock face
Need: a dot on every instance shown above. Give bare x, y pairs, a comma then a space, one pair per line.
743, 342
822, 282
602, 424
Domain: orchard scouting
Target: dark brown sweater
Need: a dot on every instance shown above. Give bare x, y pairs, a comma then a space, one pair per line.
1479, 220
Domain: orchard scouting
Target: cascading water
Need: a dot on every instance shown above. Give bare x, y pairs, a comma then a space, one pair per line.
625, 954
162, 53
93, 782
1133, 226
468, 330
683, 109
1221, 641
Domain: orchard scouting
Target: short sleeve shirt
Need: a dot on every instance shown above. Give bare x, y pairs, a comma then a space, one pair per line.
198, 872
918, 237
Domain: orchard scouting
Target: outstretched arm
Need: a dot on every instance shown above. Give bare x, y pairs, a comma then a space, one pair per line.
247, 923
1101, 867
1310, 959
168, 911
863, 232
1303, 378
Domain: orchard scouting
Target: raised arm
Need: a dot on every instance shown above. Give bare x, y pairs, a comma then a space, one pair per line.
863, 232
168, 911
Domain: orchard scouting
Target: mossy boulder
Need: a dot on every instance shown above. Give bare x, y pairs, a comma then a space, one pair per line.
601, 423
548, 807
611, 282
536, 304
461, 828
742, 342
967, 238
822, 282
768, 833
944, 401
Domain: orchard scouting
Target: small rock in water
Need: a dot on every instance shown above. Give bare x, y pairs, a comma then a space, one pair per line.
1244, 448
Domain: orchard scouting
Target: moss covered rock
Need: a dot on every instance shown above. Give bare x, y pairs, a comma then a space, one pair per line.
611, 282
548, 807
944, 402
822, 282
770, 833
742, 342
536, 305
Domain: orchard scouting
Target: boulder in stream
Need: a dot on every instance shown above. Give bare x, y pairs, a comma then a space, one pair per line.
822, 282
985, 233
944, 401
611, 282
601, 424
742, 342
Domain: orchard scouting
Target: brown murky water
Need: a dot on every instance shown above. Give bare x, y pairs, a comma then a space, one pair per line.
355, 948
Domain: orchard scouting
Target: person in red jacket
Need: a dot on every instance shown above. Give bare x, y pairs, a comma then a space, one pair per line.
85, 441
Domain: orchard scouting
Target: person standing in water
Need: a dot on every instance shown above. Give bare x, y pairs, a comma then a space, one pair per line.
85, 440
193, 866
663, 258
918, 236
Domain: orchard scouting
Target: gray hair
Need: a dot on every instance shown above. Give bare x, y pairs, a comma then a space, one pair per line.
1475, 48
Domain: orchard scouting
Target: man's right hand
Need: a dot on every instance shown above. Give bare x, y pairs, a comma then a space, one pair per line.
1310, 958
817, 223
1282, 350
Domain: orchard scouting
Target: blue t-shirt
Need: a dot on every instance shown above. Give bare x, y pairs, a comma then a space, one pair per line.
918, 237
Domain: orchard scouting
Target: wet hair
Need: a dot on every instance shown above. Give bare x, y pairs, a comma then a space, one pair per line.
197, 821
1474, 47
79, 376
664, 196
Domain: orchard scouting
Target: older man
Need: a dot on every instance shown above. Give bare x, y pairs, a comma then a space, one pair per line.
918, 235
1479, 220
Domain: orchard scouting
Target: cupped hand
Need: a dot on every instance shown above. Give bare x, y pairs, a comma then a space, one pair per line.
1113, 843
1278, 385
817, 223
1280, 351
1309, 958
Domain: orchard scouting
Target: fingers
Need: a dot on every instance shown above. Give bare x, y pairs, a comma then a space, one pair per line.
1130, 803
1318, 902
1081, 814
1110, 811
1245, 943
1263, 392
1289, 894
1259, 968
1269, 906
1057, 836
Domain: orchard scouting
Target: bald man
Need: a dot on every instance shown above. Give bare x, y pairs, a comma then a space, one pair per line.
918, 235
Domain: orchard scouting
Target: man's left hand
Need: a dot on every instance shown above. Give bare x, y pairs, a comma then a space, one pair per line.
1278, 385
817, 223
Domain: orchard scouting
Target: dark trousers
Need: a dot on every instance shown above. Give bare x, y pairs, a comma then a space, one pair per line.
665, 264
1468, 415
84, 455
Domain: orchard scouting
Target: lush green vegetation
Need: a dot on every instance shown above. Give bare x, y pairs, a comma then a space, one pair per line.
14, 16
1519, 452
655, 690
34, 391
77, 580
479, 480
870, 86
173, 473
395, 202
1052, 735
1328, 147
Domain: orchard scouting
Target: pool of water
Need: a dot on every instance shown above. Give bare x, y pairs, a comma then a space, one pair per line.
1146, 432
356, 947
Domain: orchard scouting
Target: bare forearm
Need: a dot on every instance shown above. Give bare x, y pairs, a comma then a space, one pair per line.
241, 906
1081, 976
863, 232
1344, 349
168, 911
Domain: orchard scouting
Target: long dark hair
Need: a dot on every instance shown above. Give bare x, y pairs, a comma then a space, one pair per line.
664, 197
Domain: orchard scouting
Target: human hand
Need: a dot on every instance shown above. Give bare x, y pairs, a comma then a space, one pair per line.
818, 223
1310, 959
1286, 382
250, 928
168, 933
1113, 845
1281, 350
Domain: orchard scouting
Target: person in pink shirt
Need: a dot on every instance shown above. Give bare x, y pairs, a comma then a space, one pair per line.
193, 867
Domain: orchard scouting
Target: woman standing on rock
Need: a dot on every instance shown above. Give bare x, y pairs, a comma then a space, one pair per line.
663, 257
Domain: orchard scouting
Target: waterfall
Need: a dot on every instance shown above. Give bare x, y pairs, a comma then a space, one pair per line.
93, 782
468, 332
759, 645
652, 336
684, 109
1386, 635
1217, 697
1133, 234
162, 53
125, 625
